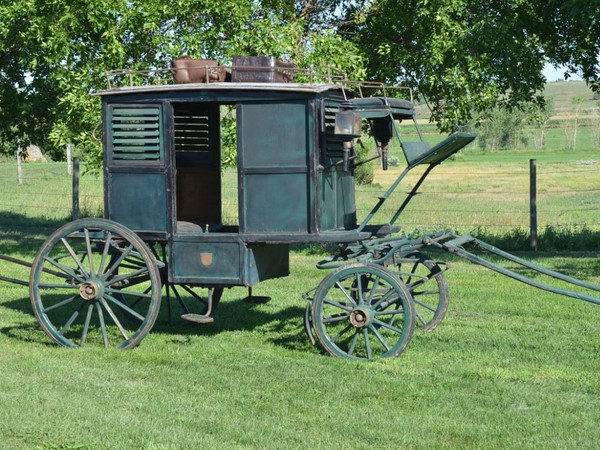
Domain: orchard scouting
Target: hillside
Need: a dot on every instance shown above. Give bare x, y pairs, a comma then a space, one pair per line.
561, 91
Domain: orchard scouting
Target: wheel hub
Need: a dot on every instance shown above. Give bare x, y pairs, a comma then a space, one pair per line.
360, 317
90, 290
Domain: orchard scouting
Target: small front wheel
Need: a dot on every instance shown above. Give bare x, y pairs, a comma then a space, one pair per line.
363, 311
94, 282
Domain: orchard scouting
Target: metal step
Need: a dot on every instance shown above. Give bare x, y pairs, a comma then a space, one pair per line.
197, 318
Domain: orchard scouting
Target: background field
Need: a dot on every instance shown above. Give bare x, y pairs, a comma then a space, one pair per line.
482, 193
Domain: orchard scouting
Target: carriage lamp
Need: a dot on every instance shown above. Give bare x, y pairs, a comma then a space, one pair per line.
347, 126
383, 131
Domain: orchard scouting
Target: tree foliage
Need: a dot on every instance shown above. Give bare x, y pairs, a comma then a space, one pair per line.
465, 57
54, 53
461, 56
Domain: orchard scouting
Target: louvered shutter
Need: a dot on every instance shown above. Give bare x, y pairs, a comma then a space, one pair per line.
135, 133
334, 145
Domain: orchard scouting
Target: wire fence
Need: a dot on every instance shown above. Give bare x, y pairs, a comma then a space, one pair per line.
460, 196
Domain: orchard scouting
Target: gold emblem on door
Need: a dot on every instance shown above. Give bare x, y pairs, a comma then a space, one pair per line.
206, 259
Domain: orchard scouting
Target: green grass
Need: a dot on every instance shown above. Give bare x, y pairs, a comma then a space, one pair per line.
509, 367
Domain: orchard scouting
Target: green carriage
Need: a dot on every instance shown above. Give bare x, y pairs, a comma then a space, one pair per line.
165, 233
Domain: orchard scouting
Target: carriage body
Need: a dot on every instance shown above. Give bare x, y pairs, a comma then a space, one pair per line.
163, 180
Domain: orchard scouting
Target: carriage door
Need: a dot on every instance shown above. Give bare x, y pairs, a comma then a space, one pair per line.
134, 164
273, 156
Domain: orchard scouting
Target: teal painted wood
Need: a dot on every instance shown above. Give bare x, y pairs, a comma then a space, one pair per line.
274, 166
337, 195
228, 262
138, 200
136, 182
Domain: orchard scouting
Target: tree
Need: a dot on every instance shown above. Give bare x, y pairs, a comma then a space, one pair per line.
502, 129
465, 57
53, 54
573, 124
538, 116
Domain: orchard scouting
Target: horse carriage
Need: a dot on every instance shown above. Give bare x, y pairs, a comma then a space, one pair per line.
101, 281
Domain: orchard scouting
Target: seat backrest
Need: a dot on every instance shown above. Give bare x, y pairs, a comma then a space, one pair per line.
414, 150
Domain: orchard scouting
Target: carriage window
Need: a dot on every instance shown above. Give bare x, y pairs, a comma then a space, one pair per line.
199, 179
135, 133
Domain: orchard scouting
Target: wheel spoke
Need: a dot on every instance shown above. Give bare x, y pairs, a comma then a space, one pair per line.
114, 318
123, 292
107, 245
137, 300
59, 304
336, 318
385, 298
373, 290
86, 324
69, 322
367, 343
348, 296
339, 335
353, 343
387, 312
120, 278
74, 256
337, 305
125, 307
118, 262
65, 269
380, 338
57, 286
359, 280
424, 305
417, 293
387, 325
180, 300
420, 318
102, 324
88, 245
193, 294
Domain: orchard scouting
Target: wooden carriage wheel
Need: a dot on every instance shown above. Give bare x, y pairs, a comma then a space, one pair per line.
94, 282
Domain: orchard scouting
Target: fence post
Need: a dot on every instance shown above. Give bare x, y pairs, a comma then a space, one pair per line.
69, 160
533, 237
19, 166
75, 212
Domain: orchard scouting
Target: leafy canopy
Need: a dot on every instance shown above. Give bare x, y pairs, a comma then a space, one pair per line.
468, 56
461, 56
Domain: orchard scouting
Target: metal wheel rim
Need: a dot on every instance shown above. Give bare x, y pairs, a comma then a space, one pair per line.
431, 297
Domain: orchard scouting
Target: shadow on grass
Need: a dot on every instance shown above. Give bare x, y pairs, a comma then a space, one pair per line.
282, 327
23, 234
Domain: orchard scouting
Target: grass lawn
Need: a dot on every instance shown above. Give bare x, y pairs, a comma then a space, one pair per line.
509, 367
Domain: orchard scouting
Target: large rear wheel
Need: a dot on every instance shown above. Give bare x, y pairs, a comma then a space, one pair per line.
94, 282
